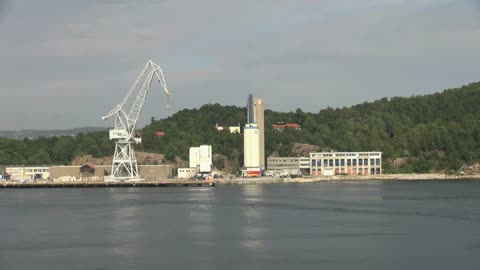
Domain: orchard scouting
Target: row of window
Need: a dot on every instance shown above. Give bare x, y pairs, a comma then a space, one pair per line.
346, 154
282, 165
36, 170
282, 160
349, 162
187, 170
354, 171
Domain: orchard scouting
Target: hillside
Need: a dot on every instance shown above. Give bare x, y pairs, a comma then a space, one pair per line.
431, 132
426, 133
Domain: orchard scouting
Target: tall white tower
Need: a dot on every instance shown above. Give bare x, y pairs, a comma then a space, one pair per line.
259, 108
251, 142
254, 134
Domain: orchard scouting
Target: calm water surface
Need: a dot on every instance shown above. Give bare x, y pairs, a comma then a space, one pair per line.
335, 225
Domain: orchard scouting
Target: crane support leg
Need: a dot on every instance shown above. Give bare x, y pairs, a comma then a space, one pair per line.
124, 164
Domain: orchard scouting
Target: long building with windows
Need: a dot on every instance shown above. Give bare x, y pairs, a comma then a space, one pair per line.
348, 163
289, 165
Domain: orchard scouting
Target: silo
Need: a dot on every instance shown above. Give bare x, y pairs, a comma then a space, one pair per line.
250, 110
251, 143
259, 108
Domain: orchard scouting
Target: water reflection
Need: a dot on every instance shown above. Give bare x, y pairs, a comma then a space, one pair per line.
201, 214
254, 228
126, 221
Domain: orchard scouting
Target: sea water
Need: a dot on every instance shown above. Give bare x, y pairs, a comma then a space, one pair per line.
327, 225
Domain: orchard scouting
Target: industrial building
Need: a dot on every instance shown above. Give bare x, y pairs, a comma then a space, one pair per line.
187, 173
91, 172
254, 137
201, 158
85, 172
288, 165
251, 145
259, 114
17, 173
349, 163
200, 161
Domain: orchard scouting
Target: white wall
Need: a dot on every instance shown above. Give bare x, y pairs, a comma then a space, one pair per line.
251, 146
194, 157
205, 158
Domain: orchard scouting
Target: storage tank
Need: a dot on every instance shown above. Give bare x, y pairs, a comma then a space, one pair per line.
251, 143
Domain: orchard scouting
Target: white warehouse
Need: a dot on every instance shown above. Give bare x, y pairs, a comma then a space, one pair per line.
201, 158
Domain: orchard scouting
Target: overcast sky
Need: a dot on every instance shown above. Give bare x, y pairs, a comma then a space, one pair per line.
65, 63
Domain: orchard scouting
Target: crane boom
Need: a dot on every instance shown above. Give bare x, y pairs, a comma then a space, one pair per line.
124, 164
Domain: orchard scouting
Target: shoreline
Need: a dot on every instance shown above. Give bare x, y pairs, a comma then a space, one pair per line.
383, 177
238, 181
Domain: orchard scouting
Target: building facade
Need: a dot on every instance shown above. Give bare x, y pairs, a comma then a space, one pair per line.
349, 163
17, 173
251, 142
289, 165
206, 159
90, 172
201, 158
194, 157
187, 173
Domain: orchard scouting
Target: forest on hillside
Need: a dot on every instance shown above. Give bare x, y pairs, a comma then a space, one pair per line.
438, 132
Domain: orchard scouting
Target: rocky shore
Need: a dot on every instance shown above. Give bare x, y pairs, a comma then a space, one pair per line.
311, 179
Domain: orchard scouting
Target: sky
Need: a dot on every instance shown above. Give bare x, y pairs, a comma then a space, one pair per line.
66, 63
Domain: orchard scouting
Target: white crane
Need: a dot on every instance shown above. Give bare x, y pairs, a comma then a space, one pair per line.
124, 164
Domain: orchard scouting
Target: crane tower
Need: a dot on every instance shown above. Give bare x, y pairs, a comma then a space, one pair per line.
124, 164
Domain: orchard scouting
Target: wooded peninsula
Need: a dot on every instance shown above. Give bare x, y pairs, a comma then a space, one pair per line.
418, 134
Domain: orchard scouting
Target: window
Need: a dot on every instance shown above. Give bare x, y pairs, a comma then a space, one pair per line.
365, 162
349, 162
372, 171
354, 162
330, 162
378, 161
325, 162
360, 162
377, 170
337, 162
372, 162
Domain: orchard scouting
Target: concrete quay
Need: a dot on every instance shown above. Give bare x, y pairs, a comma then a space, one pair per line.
102, 184
238, 181
380, 177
